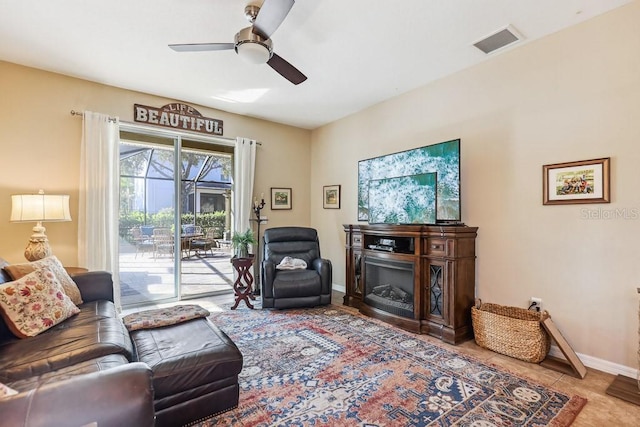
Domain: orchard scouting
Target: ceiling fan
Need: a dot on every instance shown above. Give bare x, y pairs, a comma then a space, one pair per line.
253, 43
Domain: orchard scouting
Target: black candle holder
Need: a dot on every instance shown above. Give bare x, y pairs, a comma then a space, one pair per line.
257, 207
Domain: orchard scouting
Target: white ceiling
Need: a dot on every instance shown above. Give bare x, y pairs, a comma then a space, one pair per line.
355, 53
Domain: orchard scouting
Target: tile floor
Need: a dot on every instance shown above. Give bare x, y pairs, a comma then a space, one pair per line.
601, 409
144, 277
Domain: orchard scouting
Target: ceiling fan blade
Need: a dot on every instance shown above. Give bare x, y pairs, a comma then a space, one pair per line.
201, 47
271, 15
286, 70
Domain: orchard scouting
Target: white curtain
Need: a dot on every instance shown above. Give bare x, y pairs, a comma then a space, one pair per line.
99, 196
244, 169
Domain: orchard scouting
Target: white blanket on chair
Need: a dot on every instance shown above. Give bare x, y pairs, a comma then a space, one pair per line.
290, 263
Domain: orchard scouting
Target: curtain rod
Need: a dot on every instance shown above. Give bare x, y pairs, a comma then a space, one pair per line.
113, 120
81, 114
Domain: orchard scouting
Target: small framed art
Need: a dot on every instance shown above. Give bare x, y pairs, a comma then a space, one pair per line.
331, 197
584, 181
280, 198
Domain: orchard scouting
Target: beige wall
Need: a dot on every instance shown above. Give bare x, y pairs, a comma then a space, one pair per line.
41, 149
574, 95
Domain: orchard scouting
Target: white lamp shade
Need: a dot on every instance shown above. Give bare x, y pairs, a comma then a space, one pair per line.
40, 207
253, 53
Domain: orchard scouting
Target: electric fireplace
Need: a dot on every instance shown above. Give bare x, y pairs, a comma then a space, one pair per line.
389, 286
417, 277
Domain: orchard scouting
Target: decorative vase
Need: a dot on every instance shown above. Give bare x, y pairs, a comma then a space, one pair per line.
242, 251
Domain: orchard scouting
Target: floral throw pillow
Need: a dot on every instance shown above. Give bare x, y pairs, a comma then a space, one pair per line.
17, 271
34, 303
6, 391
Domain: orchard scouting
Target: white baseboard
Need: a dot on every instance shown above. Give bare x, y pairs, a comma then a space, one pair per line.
339, 288
599, 364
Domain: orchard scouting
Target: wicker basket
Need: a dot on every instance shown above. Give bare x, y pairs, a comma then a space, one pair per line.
513, 331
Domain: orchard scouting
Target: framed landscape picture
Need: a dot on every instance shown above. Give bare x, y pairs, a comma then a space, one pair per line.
280, 198
584, 181
331, 197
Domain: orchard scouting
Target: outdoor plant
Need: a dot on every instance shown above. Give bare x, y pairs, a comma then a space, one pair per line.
208, 220
164, 218
128, 220
241, 242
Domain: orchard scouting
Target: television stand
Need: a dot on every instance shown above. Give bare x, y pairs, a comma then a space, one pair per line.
437, 280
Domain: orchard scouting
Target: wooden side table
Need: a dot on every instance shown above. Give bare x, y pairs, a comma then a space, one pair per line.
244, 283
73, 271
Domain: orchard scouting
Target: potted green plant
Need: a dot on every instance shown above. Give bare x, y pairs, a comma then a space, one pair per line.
241, 242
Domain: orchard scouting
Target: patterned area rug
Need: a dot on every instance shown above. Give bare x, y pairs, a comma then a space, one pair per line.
326, 366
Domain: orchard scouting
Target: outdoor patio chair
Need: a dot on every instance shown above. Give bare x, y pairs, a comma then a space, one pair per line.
204, 244
147, 230
140, 241
162, 242
191, 229
189, 233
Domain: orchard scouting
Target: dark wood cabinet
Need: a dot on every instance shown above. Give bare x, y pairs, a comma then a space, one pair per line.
354, 285
440, 289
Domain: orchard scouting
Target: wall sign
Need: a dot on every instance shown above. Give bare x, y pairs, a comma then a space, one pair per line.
177, 116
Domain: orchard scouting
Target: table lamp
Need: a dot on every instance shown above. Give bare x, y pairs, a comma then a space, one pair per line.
39, 208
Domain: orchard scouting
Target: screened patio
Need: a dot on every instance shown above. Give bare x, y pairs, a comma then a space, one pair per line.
148, 185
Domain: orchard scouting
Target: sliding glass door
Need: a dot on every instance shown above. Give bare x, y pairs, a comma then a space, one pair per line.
206, 218
174, 215
147, 220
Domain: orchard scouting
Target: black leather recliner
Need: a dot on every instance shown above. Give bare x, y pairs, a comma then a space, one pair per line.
294, 288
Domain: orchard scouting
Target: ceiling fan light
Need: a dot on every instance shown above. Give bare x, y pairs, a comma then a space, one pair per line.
253, 53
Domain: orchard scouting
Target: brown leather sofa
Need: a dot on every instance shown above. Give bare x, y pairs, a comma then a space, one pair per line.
89, 369
79, 372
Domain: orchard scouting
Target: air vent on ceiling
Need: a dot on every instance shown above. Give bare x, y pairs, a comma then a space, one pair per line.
498, 40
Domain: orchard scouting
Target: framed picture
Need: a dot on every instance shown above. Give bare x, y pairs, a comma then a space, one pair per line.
280, 198
585, 181
331, 197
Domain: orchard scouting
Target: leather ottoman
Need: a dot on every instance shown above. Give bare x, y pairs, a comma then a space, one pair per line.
195, 370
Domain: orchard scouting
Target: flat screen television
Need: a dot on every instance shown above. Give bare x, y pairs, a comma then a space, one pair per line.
403, 199
442, 159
